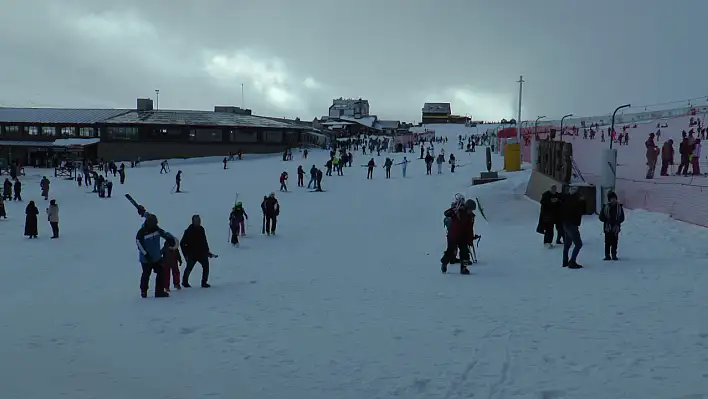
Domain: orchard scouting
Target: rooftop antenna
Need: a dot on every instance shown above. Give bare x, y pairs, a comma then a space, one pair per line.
157, 99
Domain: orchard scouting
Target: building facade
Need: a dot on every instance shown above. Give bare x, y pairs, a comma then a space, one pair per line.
33, 136
355, 108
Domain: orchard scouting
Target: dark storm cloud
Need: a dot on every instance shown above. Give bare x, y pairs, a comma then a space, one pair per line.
293, 57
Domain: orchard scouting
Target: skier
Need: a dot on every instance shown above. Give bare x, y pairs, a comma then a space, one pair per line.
387, 165
370, 172
53, 218
164, 167
3, 214
109, 188
79, 179
148, 241
460, 233
171, 261
271, 210
178, 181
31, 213
328, 165
300, 176
651, 155
452, 162
612, 217
284, 181
195, 249
226, 160
44, 185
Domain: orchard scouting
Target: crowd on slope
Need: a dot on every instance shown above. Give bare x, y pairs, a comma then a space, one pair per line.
563, 212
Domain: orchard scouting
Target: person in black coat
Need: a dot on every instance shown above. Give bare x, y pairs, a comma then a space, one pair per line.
572, 211
271, 210
612, 217
195, 249
31, 213
550, 216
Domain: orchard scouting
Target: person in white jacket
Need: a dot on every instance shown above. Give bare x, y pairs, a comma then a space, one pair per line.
696, 157
53, 217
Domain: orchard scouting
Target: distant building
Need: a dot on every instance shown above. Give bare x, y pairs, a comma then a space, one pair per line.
389, 128
356, 108
42, 136
441, 113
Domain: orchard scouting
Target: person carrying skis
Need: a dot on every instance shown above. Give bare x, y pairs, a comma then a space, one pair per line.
148, 241
460, 234
300, 176
284, 181
271, 210
612, 217
237, 222
404, 166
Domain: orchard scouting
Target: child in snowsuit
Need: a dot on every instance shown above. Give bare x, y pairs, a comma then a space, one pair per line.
612, 216
460, 233
284, 181
171, 261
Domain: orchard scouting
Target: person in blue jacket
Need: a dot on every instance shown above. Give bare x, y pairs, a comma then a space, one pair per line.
150, 250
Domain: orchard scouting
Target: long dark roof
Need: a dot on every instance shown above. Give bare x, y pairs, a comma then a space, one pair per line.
127, 116
57, 115
195, 118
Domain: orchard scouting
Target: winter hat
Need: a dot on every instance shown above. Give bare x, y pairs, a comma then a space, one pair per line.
611, 195
238, 204
53, 202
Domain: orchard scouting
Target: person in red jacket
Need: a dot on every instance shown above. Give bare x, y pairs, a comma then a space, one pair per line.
284, 181
171, 261
460, 233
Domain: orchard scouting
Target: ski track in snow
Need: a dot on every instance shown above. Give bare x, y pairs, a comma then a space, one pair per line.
347, 301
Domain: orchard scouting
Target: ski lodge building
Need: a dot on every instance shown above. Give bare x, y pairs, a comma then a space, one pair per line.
32, 136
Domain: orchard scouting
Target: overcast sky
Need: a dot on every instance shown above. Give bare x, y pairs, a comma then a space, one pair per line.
294, 56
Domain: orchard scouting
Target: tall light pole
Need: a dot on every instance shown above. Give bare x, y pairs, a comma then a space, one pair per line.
243, 106
612, 126
157, 99
518, 119
562, 119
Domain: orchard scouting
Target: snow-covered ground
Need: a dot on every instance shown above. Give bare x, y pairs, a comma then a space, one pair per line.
347, 301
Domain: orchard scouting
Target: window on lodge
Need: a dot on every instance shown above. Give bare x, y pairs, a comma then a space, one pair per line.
170, 133
10, 129
49, 131
32, 130
68, 131
86, 132
123, 133
205, 135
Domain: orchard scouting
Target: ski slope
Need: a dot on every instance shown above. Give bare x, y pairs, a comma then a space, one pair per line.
347, 301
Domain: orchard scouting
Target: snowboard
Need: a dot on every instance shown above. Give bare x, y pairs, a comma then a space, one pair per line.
315, 191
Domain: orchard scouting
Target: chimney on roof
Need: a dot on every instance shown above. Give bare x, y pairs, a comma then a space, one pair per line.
144, 104
229, 109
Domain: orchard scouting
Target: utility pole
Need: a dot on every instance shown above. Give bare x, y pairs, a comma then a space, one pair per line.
157, 99
243, 105
518, 119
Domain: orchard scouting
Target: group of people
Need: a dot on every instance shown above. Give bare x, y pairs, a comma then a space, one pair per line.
563, 212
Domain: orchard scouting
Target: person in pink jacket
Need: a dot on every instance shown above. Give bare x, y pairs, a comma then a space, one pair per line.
696, 157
